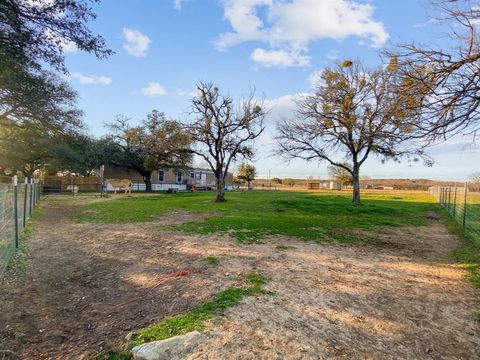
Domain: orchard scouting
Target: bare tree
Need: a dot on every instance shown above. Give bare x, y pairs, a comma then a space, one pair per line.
446, 80
475, 178
354, 112
222, 134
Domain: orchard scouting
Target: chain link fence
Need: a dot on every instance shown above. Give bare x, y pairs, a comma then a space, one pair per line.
17, 203
463, 204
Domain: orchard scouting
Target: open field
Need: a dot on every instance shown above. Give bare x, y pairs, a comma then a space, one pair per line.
372, 281
249, 216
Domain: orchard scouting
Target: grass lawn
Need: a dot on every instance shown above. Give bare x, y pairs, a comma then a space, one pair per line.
249, 216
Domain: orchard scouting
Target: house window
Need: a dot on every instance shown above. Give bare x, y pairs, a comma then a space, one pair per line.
179, 177
161, 176
192, 175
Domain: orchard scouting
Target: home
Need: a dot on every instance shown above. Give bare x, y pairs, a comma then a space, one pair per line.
164, 179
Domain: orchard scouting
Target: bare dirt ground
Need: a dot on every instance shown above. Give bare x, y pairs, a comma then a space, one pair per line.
85, 286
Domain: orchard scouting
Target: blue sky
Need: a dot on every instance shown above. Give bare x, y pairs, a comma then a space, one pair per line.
163, 47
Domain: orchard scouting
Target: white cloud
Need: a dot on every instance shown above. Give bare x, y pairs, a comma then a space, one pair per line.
333, 55
178, 4
136, 43
185, 93
292, 25
91, 79
68, 47
314, 78
279, 58
39, 4
281, 108
153, 89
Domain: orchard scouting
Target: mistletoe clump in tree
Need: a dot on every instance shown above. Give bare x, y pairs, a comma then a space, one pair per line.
446, 79
353, 113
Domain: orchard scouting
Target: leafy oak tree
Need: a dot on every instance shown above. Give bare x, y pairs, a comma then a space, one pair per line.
33, 37
25, 150
246, 173
38, 31
354, 112
222, 134
158, 143
79, 154
37, 99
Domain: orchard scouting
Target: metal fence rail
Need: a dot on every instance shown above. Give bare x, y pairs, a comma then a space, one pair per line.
463, 204
16, 207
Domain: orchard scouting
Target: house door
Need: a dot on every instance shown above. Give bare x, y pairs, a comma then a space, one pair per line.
203, 179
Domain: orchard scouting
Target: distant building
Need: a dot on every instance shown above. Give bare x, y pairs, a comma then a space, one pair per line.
323, 184
164, 179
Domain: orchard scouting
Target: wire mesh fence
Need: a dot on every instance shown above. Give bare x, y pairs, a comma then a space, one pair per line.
17, 203
463, 204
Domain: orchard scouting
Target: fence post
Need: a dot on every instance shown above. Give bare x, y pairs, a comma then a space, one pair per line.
31, 196
455, 201
449, 193
465, 207
15, 208
25, 203
34, 194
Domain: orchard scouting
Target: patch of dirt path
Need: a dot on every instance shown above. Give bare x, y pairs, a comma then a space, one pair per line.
404, 301
86, 286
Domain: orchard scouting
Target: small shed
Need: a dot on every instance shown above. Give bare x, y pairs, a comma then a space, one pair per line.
335, 185
313, 185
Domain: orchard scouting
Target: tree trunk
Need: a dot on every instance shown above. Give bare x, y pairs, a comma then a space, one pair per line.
28, 174
148, 182
220, 190
356, 184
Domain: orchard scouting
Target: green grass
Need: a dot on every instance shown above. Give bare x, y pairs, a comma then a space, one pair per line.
192, 320
18, 261
111, 354
468, 252
195, 318
250, 216
213, 260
